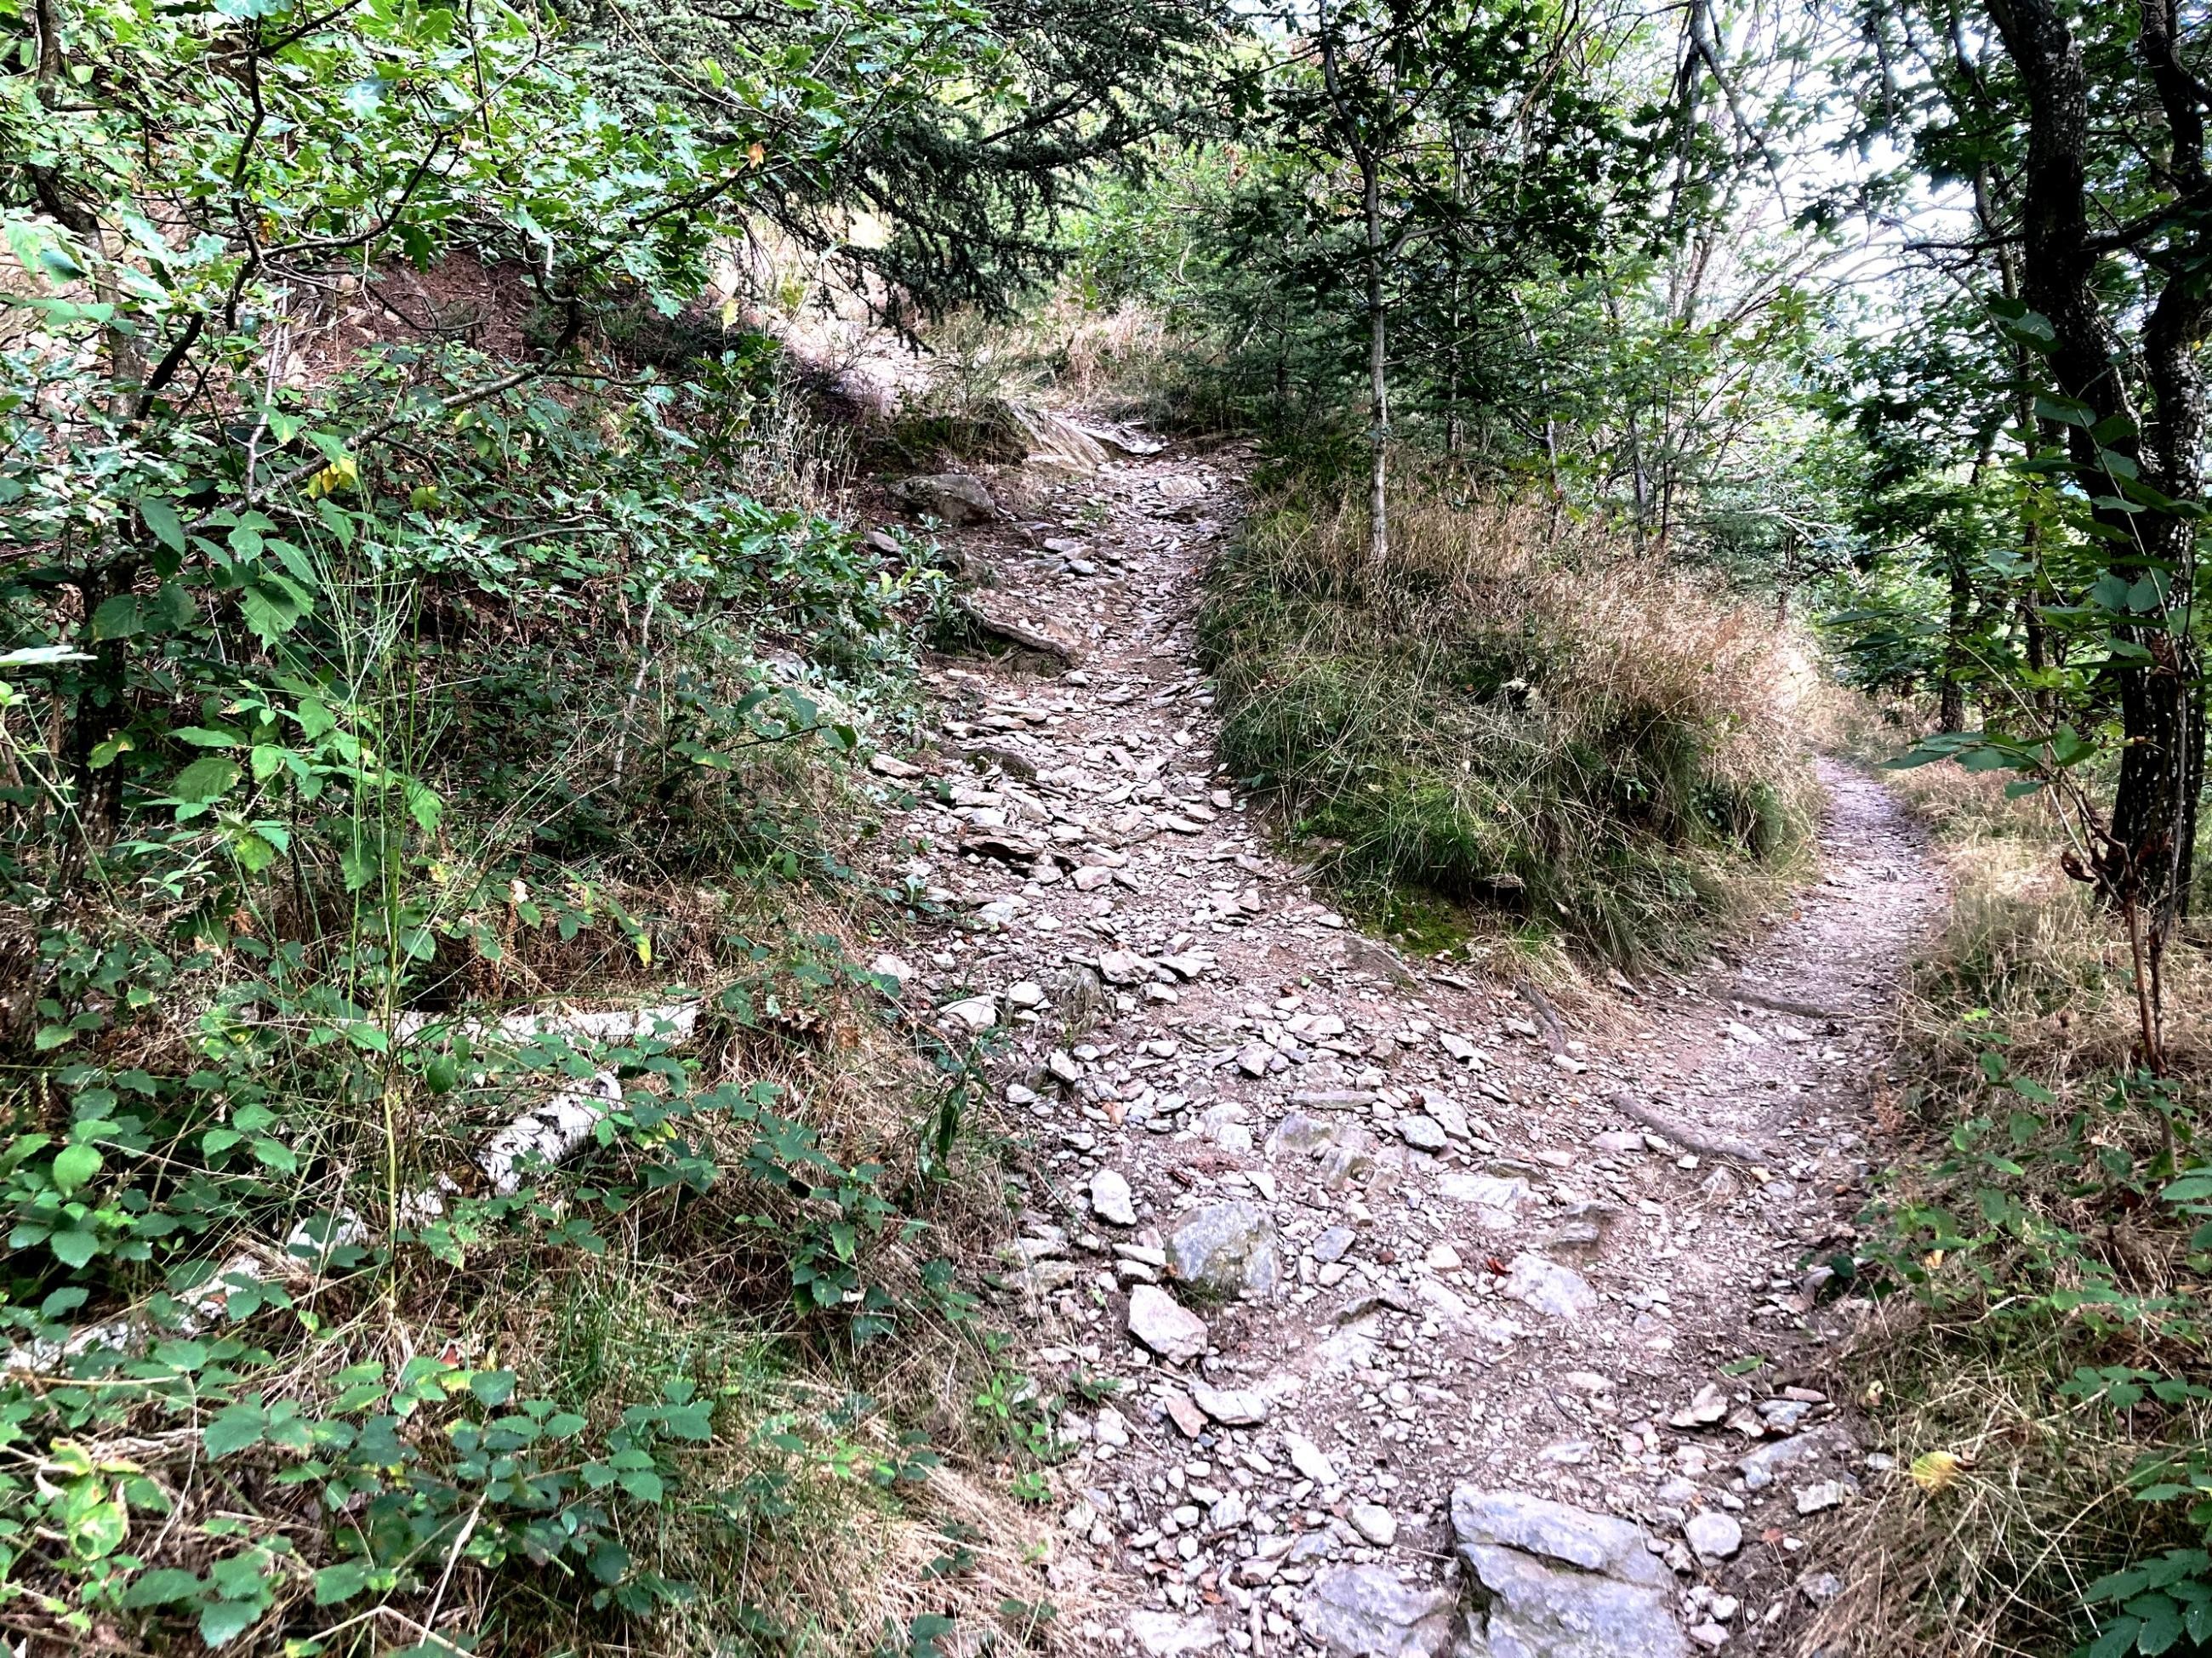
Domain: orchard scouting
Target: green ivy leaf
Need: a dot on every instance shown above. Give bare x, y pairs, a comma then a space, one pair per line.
74, 1165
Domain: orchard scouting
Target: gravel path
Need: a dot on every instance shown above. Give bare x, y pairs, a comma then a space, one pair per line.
1436, 1313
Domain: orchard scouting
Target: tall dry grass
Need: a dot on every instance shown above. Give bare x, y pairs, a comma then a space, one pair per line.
1517, 714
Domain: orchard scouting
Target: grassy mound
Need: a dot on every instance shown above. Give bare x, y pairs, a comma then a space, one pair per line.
1514, 716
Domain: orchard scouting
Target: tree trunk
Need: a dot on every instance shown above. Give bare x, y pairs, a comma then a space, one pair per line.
1378, 379
1950, 713
2144, 866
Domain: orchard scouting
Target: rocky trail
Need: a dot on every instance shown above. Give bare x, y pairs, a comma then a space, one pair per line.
1438, 1317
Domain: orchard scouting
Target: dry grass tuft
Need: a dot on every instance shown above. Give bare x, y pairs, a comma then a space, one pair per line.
1519, 713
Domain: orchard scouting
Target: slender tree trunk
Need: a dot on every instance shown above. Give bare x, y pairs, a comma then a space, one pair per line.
1378, 374
1951, 711
1454, 437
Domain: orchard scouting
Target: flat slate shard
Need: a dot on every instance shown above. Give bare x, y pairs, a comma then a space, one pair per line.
1548, 1581
1168, 1328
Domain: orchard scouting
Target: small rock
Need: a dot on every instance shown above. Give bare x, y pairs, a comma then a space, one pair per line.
1713, 1535
1374, 1522
1226, 1247
1185, 1415
1028, 993
1710, 1405
1165, 1635
1423, 1133
976, 1012
1331, 1244
1309, 1458
1124, 967
953, 497
1825, 1494
1164, 1325
1112, 1428
1110, 1199
1553, 1290
1820, 1586
1231, 1407
1364, 1611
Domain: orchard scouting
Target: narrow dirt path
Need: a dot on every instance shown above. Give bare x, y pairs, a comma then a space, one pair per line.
1436, 1315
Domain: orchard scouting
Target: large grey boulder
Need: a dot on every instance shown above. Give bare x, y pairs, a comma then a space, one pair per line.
955, 497
1364, 1611
1548, 1581
1228, 1248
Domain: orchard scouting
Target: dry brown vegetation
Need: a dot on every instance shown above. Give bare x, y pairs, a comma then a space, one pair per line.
1520, 714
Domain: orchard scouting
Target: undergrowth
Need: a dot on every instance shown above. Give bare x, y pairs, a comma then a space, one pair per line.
550, 704
2036, 1360
1517, 720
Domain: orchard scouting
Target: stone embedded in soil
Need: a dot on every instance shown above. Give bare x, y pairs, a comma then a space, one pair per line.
1168, 1635
1229, 1248
1110, 1199
1309, 1458
1713, 1535
1760, 1468
1554, 1290
1498, 1199
1185, 1415
1124, 967
1423, 1133
1331, 1245
1232, 1407
1710, 1405
1824, 1494
1366, 1612
977, 1012
1169, 1328
1555, 1581
953, 497
1374, 1522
